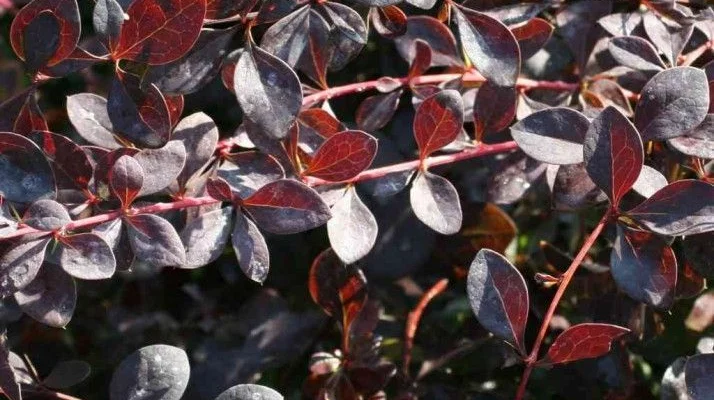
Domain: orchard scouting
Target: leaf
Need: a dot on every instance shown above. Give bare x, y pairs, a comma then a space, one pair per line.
160, 166
649, 182
69, 162
205, 237
620, 24
20, 265
554, 135
249, 171
698, 142
513, 177
41, 40
50, 298
532, 36
613, 153
88, 114
114, 234
199, 135
26, 174
499, 297
219, 189
352, 229
438, 121
422, 59
341, 290
268, 91
158, 372
644, 267
683, 207
669, 38
78, 60
250, 392
573, 188
30, 117
87, 256
436, 203
66, 374
343, 156
196, 68
250, 248
588, 340
434, 33
220, 9
375, 112
389, 21
348, 36
138, 114
671, 103
489, 45
154, 241
66, 13
697, 374
46, 215
159, 31
494, 108
288, 38
107, 19
287, 206
126, 179
9, 382
636, 53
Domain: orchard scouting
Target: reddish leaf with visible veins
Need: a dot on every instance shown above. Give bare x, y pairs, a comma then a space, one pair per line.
67, 14
438, 121
319, 121
583, 341
158, 32
343, 156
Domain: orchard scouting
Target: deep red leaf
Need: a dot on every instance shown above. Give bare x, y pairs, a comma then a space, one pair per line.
438, 121
126, 179
160, 31
422, 59
175, 106
219, 189
583, 341
67, 14
436, 34
389, 21
318, 122
532, 36
343, 156
494, 108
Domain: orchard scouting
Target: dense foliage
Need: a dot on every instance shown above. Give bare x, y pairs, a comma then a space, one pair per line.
221, 170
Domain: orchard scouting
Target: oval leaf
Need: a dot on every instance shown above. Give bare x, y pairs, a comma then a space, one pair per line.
126, 179
554, 136
343, 156
50, 298
250, 248
158, 372
205, 237
155, 241
26, 174
88, 114
46, 215
160, 166
583, 341
636, 53
87, 256
67, 374
66, 12
436, 203
352, 229
250, 392
19, 266
438, 121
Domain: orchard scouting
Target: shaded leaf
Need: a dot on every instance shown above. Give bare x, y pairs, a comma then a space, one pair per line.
494, 108
26, 173
588, 340
155, 241
65, 12
66, 374
348, 36
158, 372
199, 135
87, 256
250, 392
554, 135
250, 248
436, 203
697, 374
352, 229
498, 296
20, 265
341, 290
669, 38
46, 215
573, 188
343, 156
636, 53
422, 59
50, 298
160, 166
9, 382
389, 21
205, 237
126, 179
621, 24
41, 40
69, 162
698, 142
376, 111
433, 32
249, 171
438, 121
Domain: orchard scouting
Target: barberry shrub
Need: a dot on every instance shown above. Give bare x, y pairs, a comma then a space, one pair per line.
461, 149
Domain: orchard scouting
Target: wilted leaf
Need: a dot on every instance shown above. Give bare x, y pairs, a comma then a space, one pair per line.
158, 372
46, 215
50, 298
343, 156
436, 203
583, 341
250, 248
352, 229
554, 135
499, 297
87, 256
155, 241
438, 121
205, 237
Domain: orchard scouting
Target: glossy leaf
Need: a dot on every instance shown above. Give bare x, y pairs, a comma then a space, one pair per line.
436, 203
87, 256
376, 111
155, 241
389, 21
126, 179
438, 121
160, 166
88, 114
554, 135
582, 341
340, 290
498, 296
494, 108
20, 265
532, 36
205, 237
65, 12
26, 174
671, 103
268, 91
249, 171
158, 32
343, 156
158, 372
46, 215
681, 208
422, 59
287, 206
250, 248
50, 298
489, 45
352, 229
436, 34
107, 19
636, 53
249, 392
613, 153
644, 267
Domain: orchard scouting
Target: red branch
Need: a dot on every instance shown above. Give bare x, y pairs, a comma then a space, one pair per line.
565, 280
413, 322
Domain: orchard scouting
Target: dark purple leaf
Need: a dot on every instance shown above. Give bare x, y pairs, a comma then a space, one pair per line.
671, 103
250, 392
554, 135
287, 206
102, 169
349, 34
41, 40
644, 267
50, 298
499, 297
30, 117
669, 38
87, 256
341, 290
604, 92
69, 162
436, 203
489, 45
9, 382
46, 215
249, 171
620, 24
114, 234
532, 36
697, 374
88, 114
205, 237
422, 59
250, 248
220, 9
698, 142
494, 108
510, 14
155, 241
433, 32
26, 174
107, 19
636, 53
376, 111
158, 372
613, 153
577, 24
19, 265
343, 156
219, 189
287, 39
66, 374
512, 177
681, 208
573, 188
389, 21
583, 341
438, 121
160, 166
78, 60
65, 12
199, 135
352, 229
126, 179
268, 91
